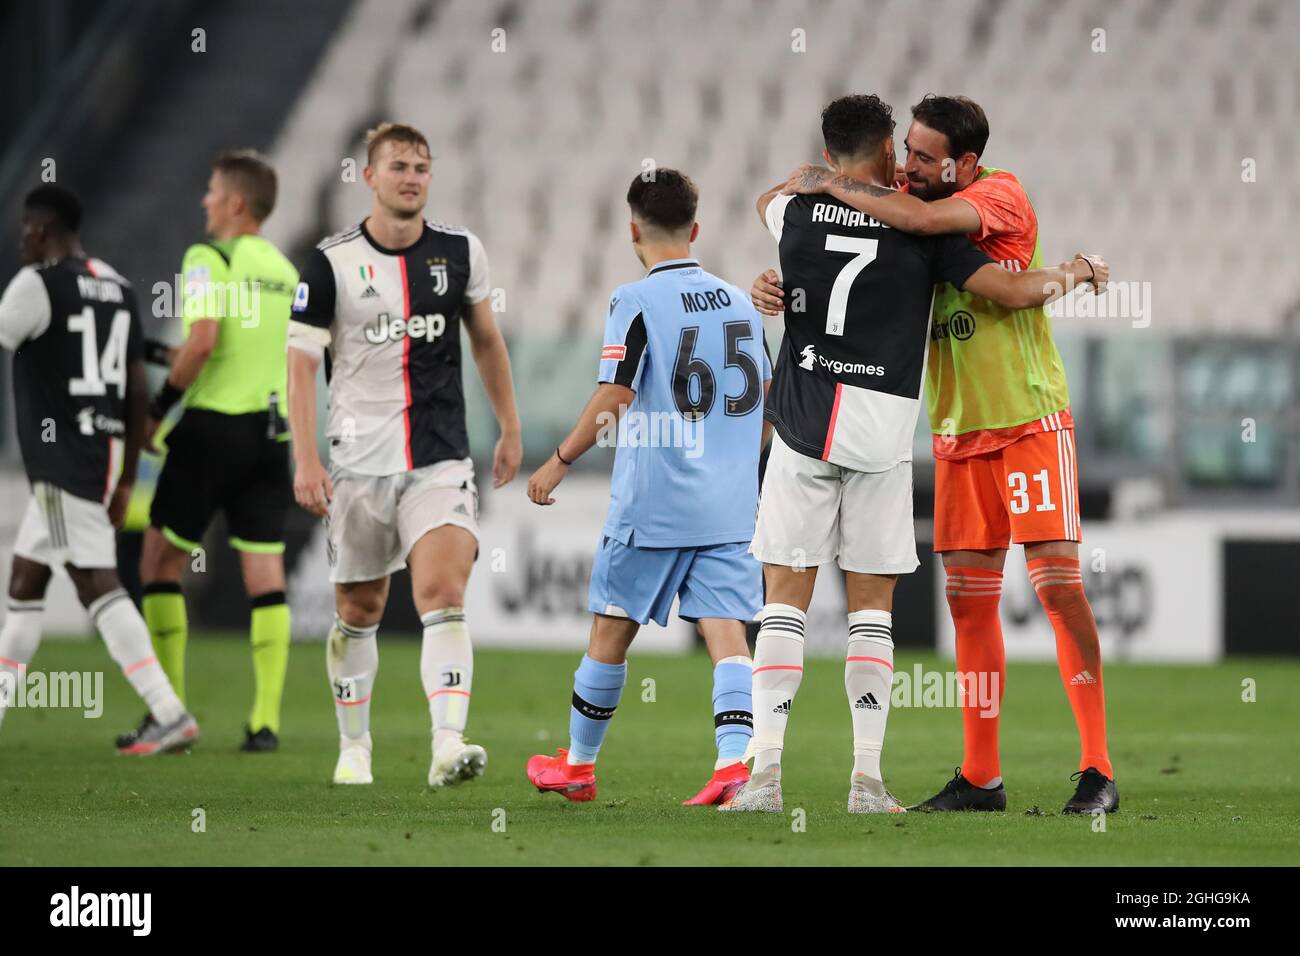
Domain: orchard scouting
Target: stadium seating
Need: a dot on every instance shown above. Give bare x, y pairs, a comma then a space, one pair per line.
734, 105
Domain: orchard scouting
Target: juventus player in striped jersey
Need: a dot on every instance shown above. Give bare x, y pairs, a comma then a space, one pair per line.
387, 299
79, 397
844, 402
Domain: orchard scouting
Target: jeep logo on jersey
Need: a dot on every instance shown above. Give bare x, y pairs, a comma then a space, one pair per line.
386, 329
438, 272
960, 326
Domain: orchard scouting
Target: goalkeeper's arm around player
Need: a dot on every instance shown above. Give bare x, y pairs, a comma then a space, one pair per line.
1015, 290
1027, 290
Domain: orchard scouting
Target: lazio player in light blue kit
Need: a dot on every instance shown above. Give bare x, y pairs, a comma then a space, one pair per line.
683, 374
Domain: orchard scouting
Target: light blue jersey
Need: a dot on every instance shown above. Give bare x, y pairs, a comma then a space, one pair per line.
686, 468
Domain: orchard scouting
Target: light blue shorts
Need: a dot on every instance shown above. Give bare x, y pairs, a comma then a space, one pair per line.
720, 580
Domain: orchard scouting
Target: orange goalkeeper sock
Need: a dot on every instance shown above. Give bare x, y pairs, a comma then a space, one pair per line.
1059, 584
973, 595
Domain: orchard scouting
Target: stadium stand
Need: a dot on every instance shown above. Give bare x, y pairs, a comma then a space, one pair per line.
551, 212
522, 101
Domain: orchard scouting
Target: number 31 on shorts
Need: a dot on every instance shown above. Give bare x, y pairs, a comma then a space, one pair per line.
1019, 484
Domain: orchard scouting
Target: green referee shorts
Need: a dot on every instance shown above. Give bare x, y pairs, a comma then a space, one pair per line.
226, 463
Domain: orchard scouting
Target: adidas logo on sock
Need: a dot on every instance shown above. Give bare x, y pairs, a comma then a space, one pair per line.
867, 701
1083, 677
370, 293
782, 708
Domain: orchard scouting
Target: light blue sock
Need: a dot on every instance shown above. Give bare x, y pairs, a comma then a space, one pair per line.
733, 707
596, 690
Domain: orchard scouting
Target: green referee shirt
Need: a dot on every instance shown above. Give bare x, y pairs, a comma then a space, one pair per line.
247, 285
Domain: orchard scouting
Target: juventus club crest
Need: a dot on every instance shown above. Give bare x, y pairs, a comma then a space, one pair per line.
438, 272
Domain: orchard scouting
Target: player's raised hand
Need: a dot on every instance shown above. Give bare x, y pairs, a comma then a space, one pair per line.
312, 488
767, 294
545, 479
505, 461
808, 179
900, 175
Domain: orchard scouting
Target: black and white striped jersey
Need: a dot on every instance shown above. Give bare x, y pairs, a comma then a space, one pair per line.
74, 328
391, 320
848, 380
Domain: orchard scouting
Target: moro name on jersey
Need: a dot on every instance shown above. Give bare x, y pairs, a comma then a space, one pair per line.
703, 301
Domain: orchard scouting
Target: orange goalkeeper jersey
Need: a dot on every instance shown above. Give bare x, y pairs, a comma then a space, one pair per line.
994, 374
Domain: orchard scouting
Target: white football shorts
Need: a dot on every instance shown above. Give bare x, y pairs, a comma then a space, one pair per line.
811, 512
374, 521
59, 528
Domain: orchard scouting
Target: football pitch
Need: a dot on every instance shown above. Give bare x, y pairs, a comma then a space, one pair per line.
1204, 777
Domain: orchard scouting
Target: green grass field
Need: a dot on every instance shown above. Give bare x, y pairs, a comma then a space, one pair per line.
1205, 778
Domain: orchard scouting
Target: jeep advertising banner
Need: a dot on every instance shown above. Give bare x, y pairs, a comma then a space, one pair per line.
1171, 588
1154, 590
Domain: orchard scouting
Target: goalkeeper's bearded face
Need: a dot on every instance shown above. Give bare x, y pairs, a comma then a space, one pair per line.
932, 173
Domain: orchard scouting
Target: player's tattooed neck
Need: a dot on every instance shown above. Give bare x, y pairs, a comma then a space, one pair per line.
814, 177
851, 185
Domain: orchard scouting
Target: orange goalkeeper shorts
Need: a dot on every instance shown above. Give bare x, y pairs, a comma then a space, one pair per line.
1024, 492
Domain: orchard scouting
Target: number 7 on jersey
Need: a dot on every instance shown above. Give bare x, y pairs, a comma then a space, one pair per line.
864, 253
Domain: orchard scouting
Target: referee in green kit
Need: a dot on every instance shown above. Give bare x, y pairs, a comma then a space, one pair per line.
229, 452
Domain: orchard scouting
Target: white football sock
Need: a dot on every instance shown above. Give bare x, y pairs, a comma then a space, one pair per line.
20, 635
126, 636
447, 671
352, 661
868, 679
778, 670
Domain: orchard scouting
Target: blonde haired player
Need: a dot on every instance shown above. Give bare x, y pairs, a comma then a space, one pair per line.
387, 298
